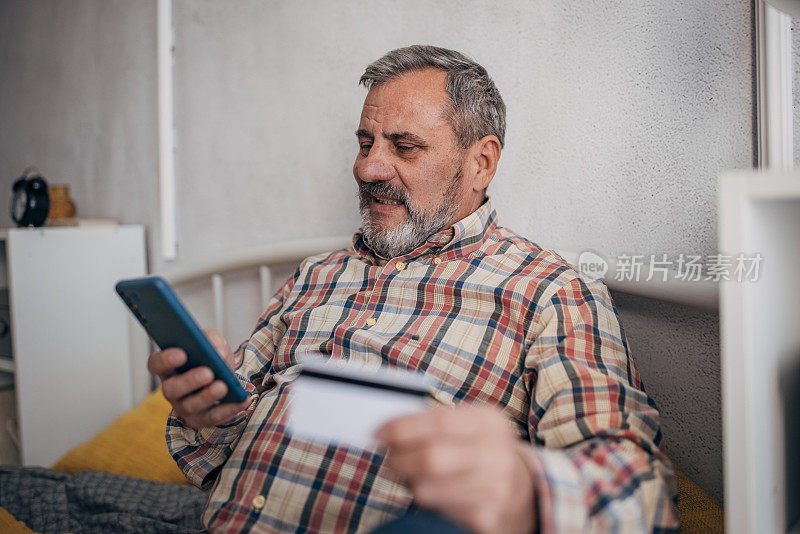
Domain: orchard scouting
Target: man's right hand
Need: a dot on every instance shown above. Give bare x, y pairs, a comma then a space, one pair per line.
195, 395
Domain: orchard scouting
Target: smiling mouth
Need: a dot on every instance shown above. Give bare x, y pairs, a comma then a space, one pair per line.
386, 200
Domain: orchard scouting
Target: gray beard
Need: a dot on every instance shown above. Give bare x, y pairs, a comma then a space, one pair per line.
412, 232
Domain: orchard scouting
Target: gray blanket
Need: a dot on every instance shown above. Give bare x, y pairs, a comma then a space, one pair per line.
49, 501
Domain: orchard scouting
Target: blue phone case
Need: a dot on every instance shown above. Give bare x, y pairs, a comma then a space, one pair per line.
169, 324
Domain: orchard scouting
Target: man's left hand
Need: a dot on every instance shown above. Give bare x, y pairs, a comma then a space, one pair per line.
465, 463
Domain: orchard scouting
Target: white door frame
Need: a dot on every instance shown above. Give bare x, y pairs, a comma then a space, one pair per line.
774, 82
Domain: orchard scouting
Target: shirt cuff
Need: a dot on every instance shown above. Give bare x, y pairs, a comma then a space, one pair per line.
559, 491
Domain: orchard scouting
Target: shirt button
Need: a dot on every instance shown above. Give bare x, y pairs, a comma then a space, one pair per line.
400, 266
371, 321
437, 261
259, 501
341, 362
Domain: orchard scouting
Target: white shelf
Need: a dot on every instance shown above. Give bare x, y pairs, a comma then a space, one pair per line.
80, 223
70, 334
759, 212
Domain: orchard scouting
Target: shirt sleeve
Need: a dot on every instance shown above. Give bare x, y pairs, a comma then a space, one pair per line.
201, 453
596, 459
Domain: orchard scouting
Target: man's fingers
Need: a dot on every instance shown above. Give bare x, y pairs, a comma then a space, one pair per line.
444, 458
203, 408
417, 429
225, 412
412, 429
178, 386
457, 501
202, 400
220, 345
461, 462
447, 494
195, 395
472, 486
163, 364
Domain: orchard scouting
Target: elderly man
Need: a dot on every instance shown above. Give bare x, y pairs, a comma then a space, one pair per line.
549, 428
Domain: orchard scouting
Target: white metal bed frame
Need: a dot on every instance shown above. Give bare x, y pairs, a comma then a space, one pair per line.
700, 294
261, 258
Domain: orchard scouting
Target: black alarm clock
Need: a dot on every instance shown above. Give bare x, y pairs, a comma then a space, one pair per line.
30, 202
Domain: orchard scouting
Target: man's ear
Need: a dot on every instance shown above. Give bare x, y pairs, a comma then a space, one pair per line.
485, 154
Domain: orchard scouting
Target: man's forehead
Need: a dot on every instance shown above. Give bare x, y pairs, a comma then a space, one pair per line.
417, 86
412, 98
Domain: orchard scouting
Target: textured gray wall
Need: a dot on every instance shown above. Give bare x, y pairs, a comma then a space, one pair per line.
676, 349
617, 129
621, 114
78, 100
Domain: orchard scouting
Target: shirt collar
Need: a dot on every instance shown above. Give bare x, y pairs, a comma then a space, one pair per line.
459, 240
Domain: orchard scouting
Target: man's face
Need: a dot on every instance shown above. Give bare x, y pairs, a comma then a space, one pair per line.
409, 164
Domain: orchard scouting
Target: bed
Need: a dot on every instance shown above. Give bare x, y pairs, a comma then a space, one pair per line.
124, 480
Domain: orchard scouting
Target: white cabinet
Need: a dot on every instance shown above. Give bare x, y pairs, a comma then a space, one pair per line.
760, 320
71, 335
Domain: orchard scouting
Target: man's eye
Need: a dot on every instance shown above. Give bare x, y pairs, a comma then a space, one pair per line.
364, 147
405, 148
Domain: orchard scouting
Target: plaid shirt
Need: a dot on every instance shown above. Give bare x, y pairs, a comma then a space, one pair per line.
491, 317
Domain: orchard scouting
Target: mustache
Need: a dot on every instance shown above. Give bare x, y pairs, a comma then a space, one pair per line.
383, 189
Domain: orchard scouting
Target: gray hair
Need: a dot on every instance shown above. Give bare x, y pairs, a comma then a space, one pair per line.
477, 107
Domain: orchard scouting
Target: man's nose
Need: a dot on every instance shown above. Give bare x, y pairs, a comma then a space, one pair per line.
375, 167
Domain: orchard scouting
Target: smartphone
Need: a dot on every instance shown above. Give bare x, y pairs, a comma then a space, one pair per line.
169, 324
